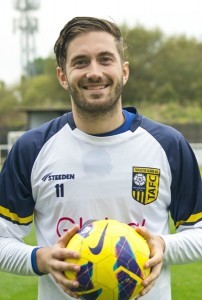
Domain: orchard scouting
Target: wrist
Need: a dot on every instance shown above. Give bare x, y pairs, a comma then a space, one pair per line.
36, 261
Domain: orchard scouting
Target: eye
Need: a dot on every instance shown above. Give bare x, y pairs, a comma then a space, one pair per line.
80, 63
106, 60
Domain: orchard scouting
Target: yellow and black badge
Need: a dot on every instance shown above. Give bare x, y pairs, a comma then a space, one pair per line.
145, 184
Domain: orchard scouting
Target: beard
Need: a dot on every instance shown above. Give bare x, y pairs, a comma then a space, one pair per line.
96, 107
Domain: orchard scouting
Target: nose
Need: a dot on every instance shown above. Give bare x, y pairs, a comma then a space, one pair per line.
94, 70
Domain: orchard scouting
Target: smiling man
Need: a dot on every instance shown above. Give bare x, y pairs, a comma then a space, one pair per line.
95, 75
100, 161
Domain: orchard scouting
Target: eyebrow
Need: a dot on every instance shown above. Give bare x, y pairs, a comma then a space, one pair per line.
77, 58
106, 53
83, 56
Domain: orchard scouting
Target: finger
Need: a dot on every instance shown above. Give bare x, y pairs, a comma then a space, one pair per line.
155, 271
64, 266
148, 283
147, 289
64, 282
63, 253
154, 260
144, 232
66, 237
71, 293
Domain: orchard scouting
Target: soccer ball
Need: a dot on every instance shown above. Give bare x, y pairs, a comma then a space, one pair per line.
112, 261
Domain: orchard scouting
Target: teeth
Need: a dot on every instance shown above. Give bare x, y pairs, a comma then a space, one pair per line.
100, 87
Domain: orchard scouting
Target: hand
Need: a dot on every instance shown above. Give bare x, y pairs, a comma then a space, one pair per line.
51, 260
157, 247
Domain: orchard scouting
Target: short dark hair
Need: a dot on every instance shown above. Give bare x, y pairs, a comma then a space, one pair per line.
85, 24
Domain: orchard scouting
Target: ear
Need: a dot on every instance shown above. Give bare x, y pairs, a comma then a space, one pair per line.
125, 72
62, 78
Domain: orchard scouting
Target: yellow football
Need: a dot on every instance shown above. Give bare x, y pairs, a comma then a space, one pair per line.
112, 261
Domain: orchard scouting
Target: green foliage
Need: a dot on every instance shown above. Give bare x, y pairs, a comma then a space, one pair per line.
45, 66
171, 112
163, 69
8, 104
143, 46
42, 91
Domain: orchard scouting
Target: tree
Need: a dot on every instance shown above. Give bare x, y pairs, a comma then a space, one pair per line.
143, 47
163, 68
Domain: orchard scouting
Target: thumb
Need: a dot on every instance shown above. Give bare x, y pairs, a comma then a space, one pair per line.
66, 237
143, 232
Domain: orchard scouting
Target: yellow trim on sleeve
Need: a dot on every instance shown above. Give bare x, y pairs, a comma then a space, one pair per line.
5, 212
192, 219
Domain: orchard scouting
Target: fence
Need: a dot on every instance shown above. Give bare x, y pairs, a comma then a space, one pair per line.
192, 131
12, 137
4, 149
197, 148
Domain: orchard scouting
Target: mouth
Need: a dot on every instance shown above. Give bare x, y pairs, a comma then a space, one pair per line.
95, 87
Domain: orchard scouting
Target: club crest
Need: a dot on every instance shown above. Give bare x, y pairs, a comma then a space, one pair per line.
145, 184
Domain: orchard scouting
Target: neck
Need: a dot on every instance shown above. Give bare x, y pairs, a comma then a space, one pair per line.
98, 123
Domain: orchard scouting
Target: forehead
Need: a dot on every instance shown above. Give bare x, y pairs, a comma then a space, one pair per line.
92, 43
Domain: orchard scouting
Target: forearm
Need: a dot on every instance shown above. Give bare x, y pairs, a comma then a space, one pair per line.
183, 247
15, 257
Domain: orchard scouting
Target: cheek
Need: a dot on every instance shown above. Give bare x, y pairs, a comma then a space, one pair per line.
74, 77
117, 72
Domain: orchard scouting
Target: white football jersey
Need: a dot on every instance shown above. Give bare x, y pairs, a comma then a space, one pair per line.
61, 176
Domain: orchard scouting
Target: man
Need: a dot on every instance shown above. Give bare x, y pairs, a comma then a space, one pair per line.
100, 161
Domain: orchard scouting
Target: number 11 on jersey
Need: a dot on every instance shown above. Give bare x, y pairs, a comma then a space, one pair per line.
59, 190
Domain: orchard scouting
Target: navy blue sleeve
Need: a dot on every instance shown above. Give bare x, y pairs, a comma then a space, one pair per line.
186, 186
16, 201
